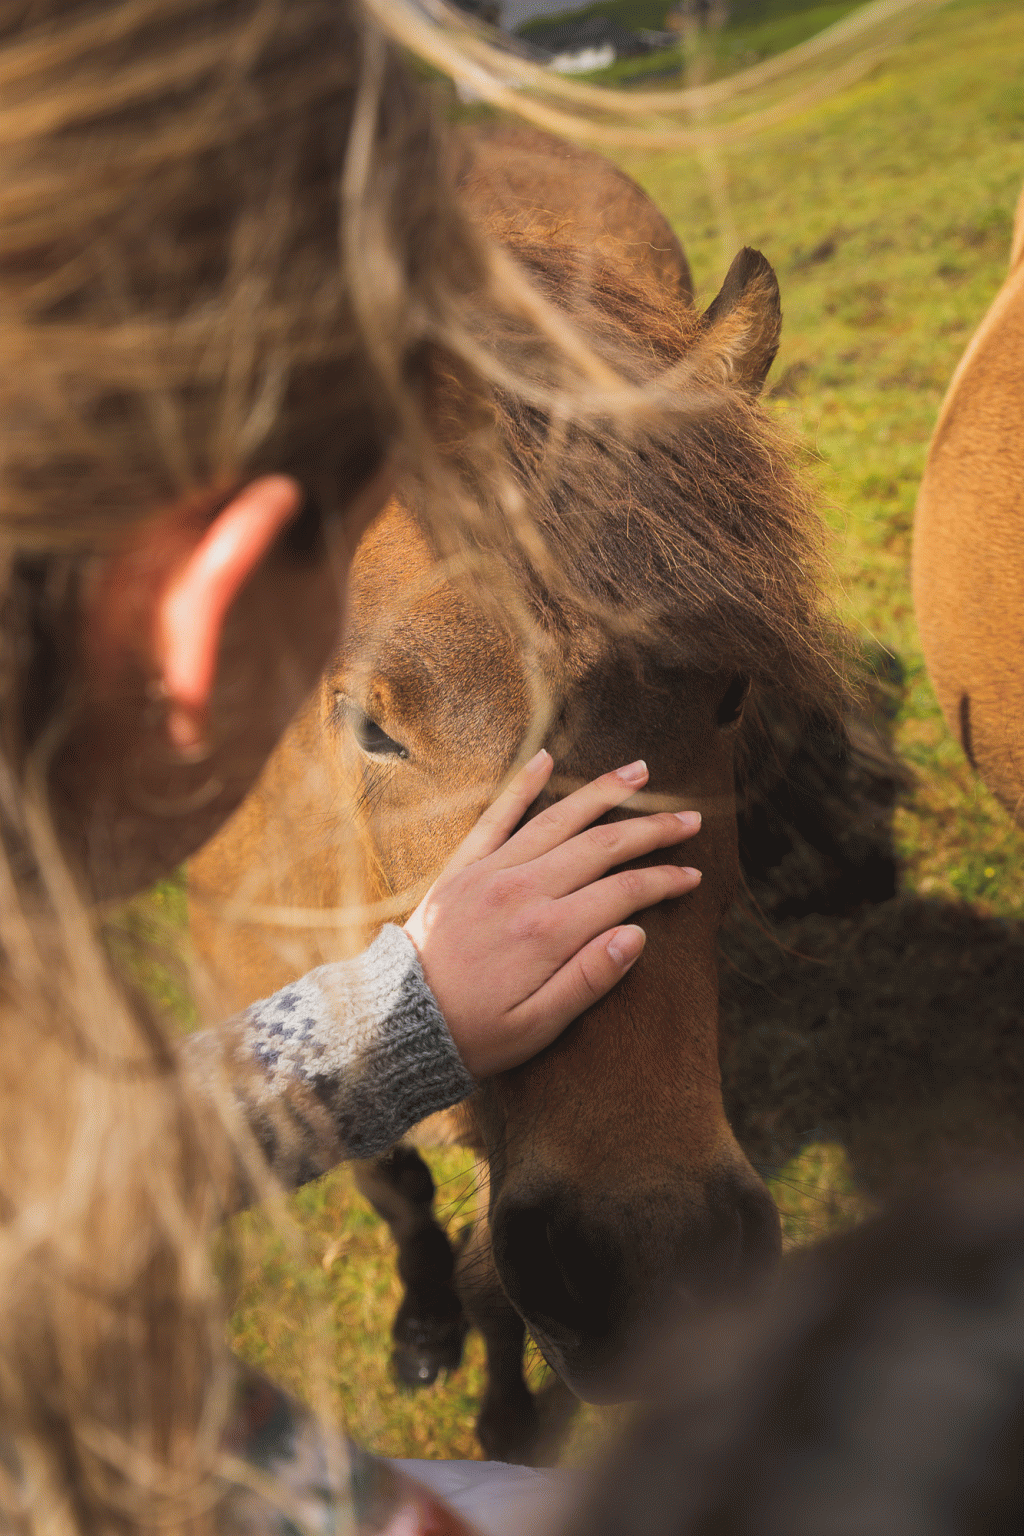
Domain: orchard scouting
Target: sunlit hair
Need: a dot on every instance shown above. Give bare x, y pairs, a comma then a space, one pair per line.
695, 114
227, 245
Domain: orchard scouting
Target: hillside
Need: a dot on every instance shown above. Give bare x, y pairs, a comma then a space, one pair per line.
757, 29
651, 13
629, 13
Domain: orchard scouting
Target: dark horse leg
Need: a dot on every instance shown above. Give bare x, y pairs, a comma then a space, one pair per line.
514, 1424
429, 1327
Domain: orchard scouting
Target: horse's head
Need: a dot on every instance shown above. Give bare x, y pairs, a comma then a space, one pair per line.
615, 1179
616, 1183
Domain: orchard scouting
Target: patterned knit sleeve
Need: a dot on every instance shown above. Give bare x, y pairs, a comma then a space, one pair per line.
340, 1063
285, 1473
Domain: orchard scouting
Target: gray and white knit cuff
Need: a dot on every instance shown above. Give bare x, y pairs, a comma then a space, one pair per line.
368, 1038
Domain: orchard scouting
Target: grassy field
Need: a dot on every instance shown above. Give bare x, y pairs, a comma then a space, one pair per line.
320, 1308
887, 215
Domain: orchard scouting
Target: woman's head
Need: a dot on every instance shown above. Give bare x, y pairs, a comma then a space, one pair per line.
227, 252
234, 291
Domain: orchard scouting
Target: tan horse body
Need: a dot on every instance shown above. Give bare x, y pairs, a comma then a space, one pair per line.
968, 571
616, 1184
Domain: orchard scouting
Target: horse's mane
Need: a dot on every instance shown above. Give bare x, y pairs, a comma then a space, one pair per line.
686, 532
686, 539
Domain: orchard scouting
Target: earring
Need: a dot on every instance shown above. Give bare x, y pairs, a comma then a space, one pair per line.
183, 728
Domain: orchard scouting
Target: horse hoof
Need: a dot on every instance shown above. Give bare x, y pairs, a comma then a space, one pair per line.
415, 1367
419, 1358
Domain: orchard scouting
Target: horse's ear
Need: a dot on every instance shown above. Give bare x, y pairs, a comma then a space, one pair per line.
744, 322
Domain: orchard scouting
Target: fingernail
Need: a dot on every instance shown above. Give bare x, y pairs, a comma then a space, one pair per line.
689, 818
633, 773
686, 870
543, 756
625, 944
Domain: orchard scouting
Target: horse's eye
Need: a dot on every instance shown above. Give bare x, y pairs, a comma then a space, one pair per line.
730, 706
373, 739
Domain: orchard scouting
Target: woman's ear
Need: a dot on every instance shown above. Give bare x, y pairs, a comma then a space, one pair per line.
157, 605
193, 604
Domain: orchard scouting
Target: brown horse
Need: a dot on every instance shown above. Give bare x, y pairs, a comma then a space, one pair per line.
968, 571
678, 587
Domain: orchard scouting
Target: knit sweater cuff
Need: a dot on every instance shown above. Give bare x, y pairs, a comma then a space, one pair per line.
368, 1039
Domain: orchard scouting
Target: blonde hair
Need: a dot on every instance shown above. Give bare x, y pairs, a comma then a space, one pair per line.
227, 245
185, 195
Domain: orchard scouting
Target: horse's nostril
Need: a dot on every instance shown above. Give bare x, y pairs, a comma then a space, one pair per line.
563, 1265
554, 1271
739, 1245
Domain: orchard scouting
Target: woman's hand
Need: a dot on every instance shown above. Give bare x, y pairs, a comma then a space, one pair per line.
521, 933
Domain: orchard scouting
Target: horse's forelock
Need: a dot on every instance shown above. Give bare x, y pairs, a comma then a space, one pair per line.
689, 536
682, 530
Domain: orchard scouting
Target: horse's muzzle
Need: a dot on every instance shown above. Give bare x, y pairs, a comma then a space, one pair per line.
596, 1290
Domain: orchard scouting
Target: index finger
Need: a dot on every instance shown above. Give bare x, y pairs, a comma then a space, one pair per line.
504, 814
558, 822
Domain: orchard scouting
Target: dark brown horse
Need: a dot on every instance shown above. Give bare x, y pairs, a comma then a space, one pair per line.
676, 597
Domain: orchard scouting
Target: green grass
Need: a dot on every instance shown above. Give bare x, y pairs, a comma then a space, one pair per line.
330, 1308
323, 1312
886, 213
756, 13
654, 67
761, 35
